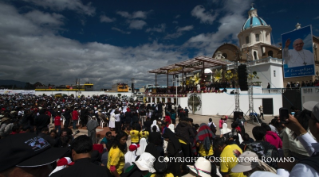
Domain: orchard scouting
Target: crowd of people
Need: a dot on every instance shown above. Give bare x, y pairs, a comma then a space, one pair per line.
39, 138
302, 84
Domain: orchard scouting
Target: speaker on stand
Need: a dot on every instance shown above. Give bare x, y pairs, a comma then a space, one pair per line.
242, 77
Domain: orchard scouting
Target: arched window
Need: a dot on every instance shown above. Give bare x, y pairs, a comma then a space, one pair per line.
270, 53
255, 55
247, 39
225, 55
257, 37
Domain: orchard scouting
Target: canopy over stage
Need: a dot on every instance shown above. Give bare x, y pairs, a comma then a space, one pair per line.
197, 63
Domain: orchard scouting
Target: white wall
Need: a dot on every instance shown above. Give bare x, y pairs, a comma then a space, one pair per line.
85, 93
182, 101
224, 104
276, 82
265, 72
309, 94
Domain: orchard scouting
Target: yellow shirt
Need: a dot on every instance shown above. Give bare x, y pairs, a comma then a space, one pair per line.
204, 153
229, 159
167, 175
144, 134
135, 138
116, 158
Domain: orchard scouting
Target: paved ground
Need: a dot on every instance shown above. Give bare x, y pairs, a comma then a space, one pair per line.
198, 119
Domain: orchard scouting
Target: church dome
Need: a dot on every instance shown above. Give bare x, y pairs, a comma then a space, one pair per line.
253, 20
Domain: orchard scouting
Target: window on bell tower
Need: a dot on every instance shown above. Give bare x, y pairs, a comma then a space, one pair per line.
257, 37
247, 39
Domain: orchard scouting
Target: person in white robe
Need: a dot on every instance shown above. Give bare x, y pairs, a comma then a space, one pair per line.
141, 149
130, 156
155, 124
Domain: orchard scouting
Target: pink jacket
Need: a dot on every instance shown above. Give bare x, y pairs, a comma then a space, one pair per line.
221, 123
272, 138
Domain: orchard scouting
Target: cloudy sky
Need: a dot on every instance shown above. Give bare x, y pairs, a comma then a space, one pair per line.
110, 41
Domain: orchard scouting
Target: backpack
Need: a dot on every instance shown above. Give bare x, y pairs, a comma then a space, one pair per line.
213, 128
264, 151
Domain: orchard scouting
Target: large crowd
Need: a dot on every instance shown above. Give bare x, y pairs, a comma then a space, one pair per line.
40, 137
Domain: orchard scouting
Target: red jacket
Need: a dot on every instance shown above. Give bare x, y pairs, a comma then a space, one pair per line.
57, 120
75, 115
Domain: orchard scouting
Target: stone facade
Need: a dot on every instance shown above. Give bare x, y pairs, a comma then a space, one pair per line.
255, 44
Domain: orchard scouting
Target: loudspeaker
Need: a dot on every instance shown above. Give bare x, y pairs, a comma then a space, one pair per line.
242, 78
236, 115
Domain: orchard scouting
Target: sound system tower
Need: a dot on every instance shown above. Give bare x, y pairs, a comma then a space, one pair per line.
242, 77
236, 115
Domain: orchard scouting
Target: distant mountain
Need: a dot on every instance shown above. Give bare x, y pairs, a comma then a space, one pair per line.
19, 84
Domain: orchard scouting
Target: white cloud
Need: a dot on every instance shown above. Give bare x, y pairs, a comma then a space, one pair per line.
179, 32
185, 28
31, 52
230, 25
134, 15
119, 30
204, 17
60, 5
137, 24
140, 14
124, 14
45, 18
316, 18
177, 16
106, 19
159, 29
134, 20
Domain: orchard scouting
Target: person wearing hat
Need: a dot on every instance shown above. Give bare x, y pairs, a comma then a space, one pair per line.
202, 167
142, 167
82, 147
6, 127
309, 166
27, 155
248, 163
161, 168
62, 164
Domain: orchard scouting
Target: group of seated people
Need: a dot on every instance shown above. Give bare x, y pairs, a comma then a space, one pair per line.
168, 150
